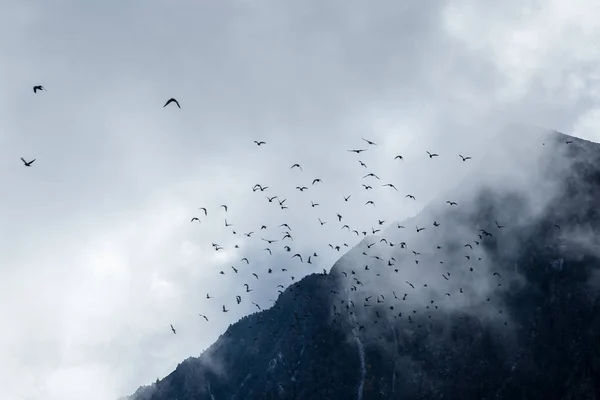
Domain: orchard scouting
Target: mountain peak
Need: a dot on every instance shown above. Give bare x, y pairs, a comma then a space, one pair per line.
496, 298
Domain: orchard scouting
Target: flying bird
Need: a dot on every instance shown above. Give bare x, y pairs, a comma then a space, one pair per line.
38, 87
27, 163
452, 203
358, 151
371, 174
390, 185
203, 209
369, 142
465, 158
431, 155
172, 100
296, 166
195, 219
399, 157
259, 143
173, 329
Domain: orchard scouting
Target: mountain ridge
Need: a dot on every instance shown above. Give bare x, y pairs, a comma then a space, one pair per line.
510, 341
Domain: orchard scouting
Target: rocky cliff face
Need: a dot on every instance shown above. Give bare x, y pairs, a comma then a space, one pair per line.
500, 301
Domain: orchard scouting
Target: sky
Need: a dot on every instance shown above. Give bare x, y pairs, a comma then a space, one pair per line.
97, 253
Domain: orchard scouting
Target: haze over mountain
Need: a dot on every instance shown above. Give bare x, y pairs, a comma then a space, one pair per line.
502, 304
99, 252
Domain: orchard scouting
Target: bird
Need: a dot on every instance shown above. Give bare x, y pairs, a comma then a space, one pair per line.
299, 256
371, 174
498, 225
224, 207
411, 285
399, 157
316, 180
296, 166
224, 309
203, 209
431, 155
27, 163
269, 250
370, 202
357, 151
464, 158
410, 196
451, 203
38, 87
245, 259
204, 316
259, 143
419, 229
347, 198
172, 100
390, 185
173, 329
195, 219
369, 142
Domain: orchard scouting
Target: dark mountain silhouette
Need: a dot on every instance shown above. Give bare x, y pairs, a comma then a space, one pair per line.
524, 323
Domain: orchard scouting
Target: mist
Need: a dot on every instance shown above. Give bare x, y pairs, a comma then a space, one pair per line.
99, 255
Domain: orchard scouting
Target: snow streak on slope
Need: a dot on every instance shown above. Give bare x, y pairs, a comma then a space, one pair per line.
361, 357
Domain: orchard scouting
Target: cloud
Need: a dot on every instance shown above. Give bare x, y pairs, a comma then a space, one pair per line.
99, 256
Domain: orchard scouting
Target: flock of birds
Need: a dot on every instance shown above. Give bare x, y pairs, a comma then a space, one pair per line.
354, 278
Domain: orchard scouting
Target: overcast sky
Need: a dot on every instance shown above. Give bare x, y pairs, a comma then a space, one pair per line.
97, 252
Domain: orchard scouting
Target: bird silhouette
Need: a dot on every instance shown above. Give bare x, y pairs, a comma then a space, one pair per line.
172, 100
27, 163
38, 87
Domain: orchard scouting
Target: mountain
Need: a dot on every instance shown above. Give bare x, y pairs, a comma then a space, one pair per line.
500, 301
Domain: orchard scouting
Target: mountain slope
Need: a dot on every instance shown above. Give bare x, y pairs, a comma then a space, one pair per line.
506, 312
